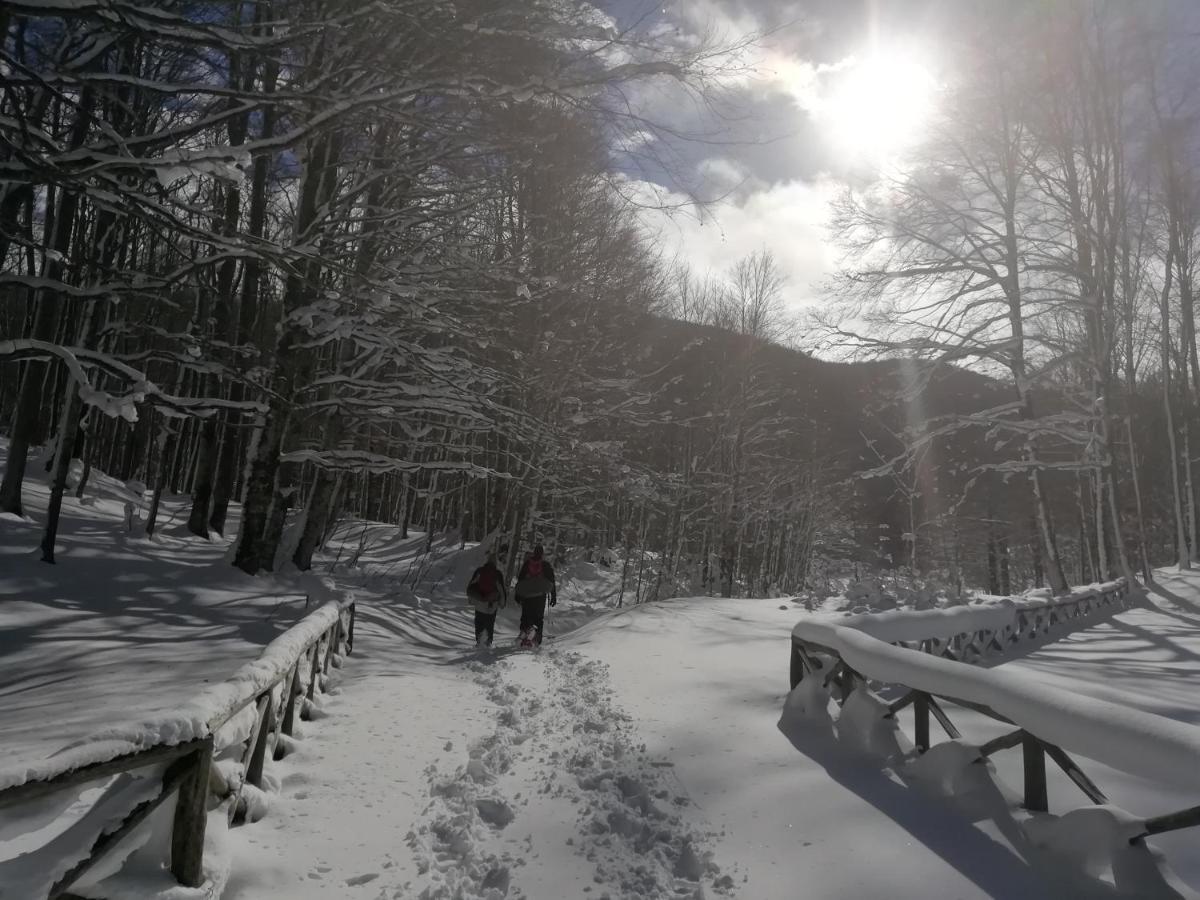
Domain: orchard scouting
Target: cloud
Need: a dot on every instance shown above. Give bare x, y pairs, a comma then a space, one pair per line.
756, 125
818, 31
758, 139
766, 108
790, 219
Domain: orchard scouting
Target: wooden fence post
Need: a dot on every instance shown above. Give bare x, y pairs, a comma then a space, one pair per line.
254, 769
331, 644
795, 666
289, 711
921, 726
1035, 775
191, 817
350, 631
313, 669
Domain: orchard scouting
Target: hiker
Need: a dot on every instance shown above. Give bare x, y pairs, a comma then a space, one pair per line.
534, 582
486, 592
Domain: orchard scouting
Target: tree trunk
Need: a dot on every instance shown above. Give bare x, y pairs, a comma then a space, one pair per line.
1143, 547
251, 556
1182, 554
62, 468
316, 519
50, 304
202, 489
1035, 553
1005, 579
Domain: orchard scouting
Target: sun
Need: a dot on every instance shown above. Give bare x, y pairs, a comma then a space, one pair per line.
878, 104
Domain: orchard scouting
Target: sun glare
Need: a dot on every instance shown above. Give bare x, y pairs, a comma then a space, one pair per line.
879, 104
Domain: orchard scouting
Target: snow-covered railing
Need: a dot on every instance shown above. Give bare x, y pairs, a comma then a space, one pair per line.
870, 655
213, 750
969, 633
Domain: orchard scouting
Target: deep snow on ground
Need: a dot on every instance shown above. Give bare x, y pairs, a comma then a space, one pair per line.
636, 757
707, 680
121, 627
640, 753
1146, 658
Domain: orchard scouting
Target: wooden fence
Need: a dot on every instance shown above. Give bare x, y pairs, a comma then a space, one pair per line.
292, 670
939, 673
962, 634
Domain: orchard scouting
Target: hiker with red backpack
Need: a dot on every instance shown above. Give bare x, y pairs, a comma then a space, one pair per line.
486, 592
535, 582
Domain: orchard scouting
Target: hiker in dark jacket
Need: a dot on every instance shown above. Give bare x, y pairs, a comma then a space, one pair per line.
535, 582
486, 592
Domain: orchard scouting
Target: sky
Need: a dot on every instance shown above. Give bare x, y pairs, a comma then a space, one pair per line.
830, 93
793, 120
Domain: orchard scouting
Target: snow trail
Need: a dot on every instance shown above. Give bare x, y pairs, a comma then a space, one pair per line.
522, 778
345, 794
565, 736
638, 756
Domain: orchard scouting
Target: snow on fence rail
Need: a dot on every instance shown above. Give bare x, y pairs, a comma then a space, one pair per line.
214, 749
926, 655
968, 633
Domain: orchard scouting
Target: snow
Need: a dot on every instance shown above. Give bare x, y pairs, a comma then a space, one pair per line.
646, 751
984, 613
1146, 660
1133, 741
221, 701
122, 630
196, 718
33, 874
640, 755
1118, 694
917, 625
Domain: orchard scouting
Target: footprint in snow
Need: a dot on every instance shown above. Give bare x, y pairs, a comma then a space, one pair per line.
496, 813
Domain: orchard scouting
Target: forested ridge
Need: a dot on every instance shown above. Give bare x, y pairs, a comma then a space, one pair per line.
334, 259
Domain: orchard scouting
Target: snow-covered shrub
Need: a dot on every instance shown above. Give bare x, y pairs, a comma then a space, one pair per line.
899, 590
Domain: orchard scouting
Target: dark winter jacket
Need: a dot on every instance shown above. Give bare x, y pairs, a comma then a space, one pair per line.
529, 585
486, 601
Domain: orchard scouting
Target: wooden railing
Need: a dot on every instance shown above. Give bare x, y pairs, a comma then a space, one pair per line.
279, 686
970, 633
886, 659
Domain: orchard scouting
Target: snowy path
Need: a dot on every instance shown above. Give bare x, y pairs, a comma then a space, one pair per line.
509, 775
638, 757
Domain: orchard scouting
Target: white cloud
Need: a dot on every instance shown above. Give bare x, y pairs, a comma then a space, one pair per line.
722, 175
790, 219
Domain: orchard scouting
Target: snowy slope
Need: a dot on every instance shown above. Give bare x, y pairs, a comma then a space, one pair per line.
121, 627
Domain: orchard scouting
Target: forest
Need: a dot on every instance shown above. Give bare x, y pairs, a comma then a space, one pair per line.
307, 261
